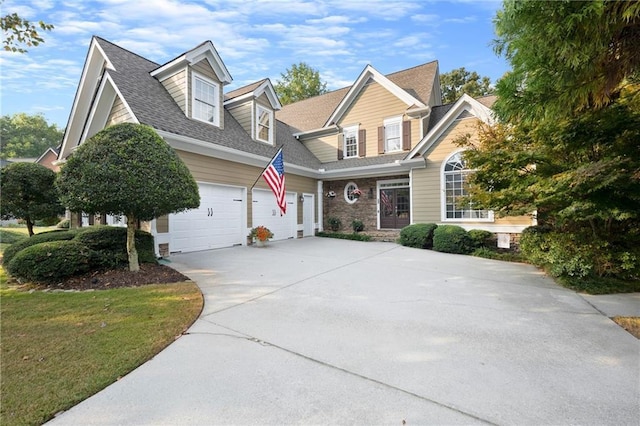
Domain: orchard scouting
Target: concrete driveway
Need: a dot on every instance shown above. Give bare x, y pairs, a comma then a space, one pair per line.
321, 331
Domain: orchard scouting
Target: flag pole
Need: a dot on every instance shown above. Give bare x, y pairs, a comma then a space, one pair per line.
265, 168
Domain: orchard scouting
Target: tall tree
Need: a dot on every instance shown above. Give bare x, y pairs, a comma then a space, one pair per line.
566, 56
459, 81
17, 32
299, 82
27, 136
29, 193
129, 170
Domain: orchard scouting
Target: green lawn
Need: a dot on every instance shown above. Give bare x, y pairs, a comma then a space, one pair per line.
58, 348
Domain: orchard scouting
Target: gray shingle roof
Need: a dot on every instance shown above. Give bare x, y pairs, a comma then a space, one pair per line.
243, 90
312, 113
154, 106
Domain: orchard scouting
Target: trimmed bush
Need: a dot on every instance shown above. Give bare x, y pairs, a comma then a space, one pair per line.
419, 235
451, 239
357, 225
8, 237
63, 224
534, 245
481, 238
51, 261
110, 242
339, 235
334, 223
43, 237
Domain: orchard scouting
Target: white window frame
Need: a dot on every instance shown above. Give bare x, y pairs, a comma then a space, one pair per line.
466, 213
390, 122
259, 110
216, 101
348, 132
348, 189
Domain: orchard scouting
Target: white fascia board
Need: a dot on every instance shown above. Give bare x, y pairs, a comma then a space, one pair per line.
374, 170
209, 52
89, 80
369, 71
185, 143
323, 131
100, 110
170, 68
465, 102
265, 87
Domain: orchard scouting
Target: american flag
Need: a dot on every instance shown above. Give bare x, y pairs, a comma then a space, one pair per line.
274, 176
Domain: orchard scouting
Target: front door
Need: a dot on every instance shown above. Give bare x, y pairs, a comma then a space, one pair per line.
394, 208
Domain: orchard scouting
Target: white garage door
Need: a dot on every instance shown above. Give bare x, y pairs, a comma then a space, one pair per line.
266, 212
218, 222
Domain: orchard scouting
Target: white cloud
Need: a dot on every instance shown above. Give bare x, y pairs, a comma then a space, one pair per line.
424, 18
463, 20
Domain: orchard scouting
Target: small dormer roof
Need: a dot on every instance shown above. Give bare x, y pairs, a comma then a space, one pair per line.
205, 50
253, 91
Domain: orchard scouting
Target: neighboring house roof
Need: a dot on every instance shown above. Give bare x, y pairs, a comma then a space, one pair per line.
152, 104
313, 113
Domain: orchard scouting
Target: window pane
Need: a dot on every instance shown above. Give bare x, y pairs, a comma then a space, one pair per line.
392, 137
350, 144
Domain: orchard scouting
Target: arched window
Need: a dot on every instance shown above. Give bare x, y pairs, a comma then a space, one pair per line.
456, 207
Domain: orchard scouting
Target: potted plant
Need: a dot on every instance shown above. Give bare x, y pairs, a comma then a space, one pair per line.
356, 193
260, 235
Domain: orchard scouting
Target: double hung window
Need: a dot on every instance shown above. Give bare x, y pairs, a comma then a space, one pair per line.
205, 100
264, 124
351, 142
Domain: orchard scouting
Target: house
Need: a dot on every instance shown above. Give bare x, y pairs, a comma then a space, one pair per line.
379, 151
48, 158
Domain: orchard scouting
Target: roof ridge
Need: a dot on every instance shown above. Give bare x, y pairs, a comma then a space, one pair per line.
125, 49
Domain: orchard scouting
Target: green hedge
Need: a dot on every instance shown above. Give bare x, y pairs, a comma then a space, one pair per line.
339, 235
419, 235
51, 261
9, 237
451, 239
43, 237
110, 242
481, 238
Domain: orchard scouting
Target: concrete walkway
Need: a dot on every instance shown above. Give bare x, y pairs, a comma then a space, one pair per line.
321, 331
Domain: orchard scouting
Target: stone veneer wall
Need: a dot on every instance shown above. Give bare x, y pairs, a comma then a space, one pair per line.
365, 209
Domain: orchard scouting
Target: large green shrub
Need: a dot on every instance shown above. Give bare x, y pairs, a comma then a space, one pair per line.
481, 238
357, 225
451, 239
419, 235
51, 261
579, 254
334, 223
110, 242
43, 237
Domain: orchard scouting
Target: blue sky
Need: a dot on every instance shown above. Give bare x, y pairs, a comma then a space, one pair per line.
255, 38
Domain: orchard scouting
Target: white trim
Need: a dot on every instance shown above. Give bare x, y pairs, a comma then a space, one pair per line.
370, 72
205, 51
266, 88
402, 183
323, 131
391, 121
216, 95
352, 129
374, 170
257, 124
465, 103
346, 193
443, 198
320, 191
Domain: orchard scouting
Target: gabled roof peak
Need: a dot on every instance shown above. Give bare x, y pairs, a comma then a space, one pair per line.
253, 91
204, 51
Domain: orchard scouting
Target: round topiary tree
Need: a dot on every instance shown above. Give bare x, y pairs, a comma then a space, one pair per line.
127, 169
28, 193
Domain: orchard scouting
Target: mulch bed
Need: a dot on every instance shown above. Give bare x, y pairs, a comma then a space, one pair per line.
101, 280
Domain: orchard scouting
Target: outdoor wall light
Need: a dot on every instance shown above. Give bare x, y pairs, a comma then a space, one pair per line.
301, 198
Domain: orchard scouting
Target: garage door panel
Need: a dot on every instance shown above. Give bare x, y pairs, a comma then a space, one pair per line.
267, 213
218, 222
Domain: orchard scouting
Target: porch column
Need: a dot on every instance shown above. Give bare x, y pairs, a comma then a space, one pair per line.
320, 206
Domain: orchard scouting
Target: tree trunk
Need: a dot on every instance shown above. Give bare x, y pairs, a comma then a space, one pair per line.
29, 226
134, 266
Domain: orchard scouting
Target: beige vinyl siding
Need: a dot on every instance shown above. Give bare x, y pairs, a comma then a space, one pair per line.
242, 113
176, 85
373, 104
426, 183
119, 113
325, 148
203, 68
212, 170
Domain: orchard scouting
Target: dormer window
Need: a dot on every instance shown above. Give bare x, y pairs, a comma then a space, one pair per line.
205, 100
264, 124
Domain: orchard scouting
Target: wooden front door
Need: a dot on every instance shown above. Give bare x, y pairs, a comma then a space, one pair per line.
394, 208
